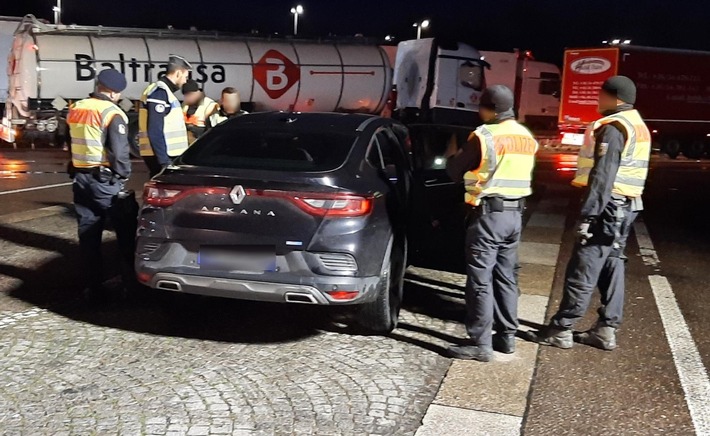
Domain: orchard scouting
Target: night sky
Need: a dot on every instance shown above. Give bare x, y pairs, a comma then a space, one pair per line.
544, 26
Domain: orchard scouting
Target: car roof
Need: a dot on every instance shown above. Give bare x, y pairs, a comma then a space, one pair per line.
344, 122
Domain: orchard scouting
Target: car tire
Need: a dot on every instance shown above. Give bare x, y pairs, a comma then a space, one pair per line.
381, 315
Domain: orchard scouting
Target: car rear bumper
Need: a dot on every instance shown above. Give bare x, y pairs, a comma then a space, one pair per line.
317, 292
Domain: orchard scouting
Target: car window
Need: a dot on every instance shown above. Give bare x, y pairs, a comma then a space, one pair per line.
374, 154
272, 150
387, 148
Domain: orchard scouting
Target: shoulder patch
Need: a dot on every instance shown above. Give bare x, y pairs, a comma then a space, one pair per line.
603, 147
122, 129
160, 108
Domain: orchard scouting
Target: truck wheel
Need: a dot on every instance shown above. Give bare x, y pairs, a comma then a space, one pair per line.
694, 150
672, 148
381, 315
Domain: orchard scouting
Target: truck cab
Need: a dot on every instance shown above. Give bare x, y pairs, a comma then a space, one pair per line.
438, 83
536, 86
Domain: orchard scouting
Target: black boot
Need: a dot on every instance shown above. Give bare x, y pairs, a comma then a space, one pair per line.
600, 336
471, 352
504, 343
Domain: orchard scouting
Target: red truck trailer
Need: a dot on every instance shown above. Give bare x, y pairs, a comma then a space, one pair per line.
673, 93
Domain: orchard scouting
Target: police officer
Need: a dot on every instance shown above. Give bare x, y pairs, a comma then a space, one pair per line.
496, 165
197, 107
230, 106
161, 123
612, 168
101, 164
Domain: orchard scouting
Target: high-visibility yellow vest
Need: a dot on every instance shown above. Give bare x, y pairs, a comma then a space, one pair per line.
88, 120
174, 129
507, 161
199, 118
633, 167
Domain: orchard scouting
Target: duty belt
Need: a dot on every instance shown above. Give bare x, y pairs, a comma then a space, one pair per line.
498, 204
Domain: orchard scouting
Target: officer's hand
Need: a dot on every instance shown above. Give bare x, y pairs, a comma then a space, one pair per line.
453, 146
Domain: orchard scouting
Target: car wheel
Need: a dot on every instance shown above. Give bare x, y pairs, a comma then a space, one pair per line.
381, 315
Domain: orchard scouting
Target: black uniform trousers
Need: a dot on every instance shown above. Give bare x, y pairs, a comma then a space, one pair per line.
153, 166
598, 262
492, 240
95, 201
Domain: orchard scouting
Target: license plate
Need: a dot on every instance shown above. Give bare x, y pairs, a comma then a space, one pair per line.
241, 258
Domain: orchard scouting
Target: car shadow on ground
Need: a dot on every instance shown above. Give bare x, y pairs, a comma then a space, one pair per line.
56, 285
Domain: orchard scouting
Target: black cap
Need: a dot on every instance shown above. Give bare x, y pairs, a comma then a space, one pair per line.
190, 86
179, 61
112, 79
621, 87
498, 98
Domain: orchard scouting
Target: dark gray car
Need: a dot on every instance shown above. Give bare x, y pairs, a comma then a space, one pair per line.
284, 207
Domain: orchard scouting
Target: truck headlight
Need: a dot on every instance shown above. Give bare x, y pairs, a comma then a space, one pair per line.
52, 126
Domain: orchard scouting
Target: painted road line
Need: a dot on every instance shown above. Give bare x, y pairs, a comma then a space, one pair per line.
35, 188
691, 371
28, 215
648, 252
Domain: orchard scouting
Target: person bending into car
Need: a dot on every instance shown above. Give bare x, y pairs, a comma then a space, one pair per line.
496, 166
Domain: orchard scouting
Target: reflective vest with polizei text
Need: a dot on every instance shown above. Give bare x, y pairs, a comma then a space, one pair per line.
199, 118
633, 167
88, 121
507, 161
174, 129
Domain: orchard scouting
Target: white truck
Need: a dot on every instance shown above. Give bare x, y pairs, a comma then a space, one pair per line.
536, 86
51, 66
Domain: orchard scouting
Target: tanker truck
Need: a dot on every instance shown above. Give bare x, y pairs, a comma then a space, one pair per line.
51, 66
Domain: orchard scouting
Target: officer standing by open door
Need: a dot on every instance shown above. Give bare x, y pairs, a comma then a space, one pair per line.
100, 166
612, 168
496, 166
162, 134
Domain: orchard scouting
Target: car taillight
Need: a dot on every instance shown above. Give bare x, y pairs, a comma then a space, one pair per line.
344, 206
320, 204
161, 195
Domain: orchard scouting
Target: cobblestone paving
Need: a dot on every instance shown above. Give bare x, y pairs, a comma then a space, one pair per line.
167, 365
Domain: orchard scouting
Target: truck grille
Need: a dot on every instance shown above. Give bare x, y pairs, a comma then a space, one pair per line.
338, 262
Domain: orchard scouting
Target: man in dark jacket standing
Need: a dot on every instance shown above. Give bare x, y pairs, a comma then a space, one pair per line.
612, 168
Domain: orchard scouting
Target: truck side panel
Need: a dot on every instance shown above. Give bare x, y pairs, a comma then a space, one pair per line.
673, 89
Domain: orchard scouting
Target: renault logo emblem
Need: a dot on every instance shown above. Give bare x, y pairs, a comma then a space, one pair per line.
238, 194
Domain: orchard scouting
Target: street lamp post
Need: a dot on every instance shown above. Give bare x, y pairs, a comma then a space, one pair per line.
298, 10
421, 25
58, 12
